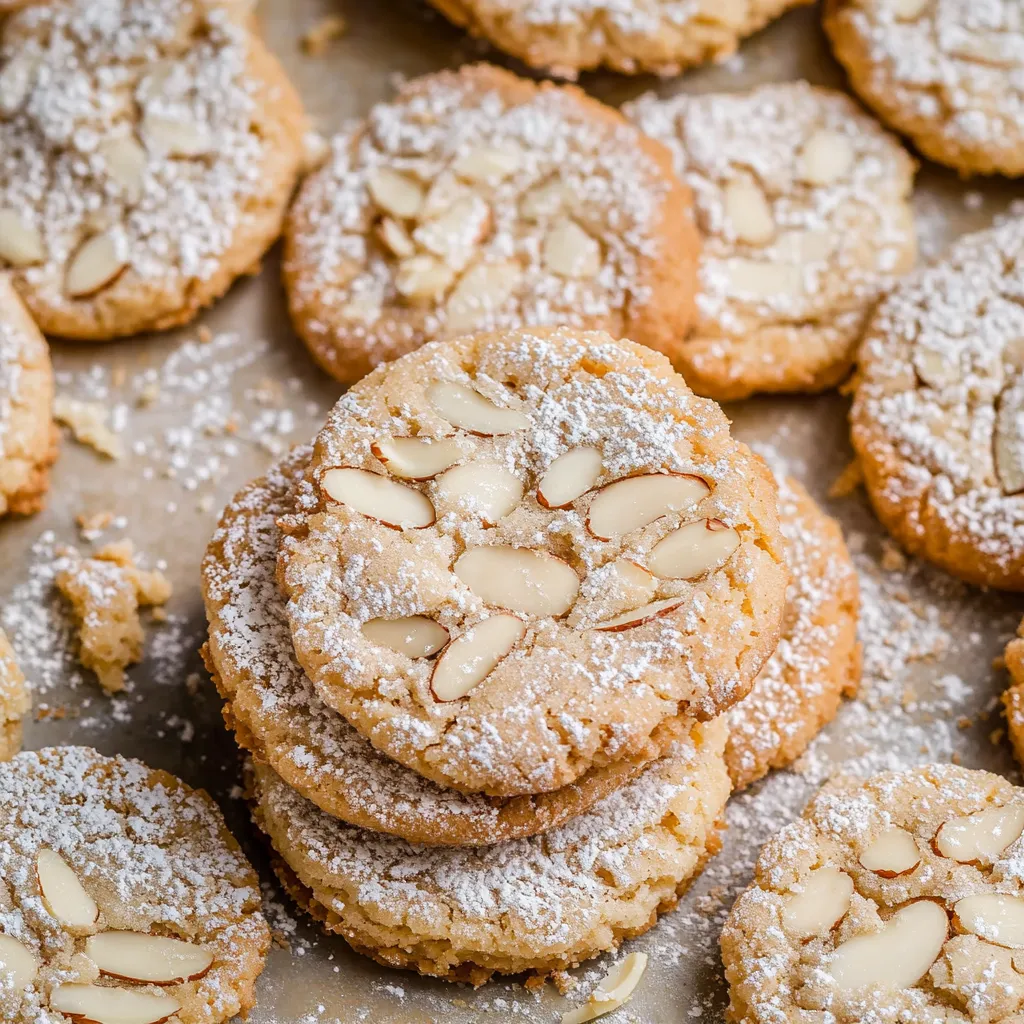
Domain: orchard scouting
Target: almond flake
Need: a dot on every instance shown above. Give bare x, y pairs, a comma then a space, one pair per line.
748, 212
544, 202
149, 959
396, 193
423, 278
455, 234
445, 191
820, 905
569, 477
519, 579
693, 550
480, 294
639, 616
63, 894
471, 658
826, 157
981, 837
908, 10
396, 238
91, 1004
753, 279
892, 854
16, 79
97, 263
1008, 438
612, 992
378, 497
486, 490
570, 252
418, 458
463, 407
636, 501
125, 162
415, 636
488, 163
21, 244
17, 963
995, 916
174, 137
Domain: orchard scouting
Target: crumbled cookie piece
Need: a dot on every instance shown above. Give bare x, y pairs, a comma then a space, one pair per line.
106, 591
88, 423
317, 40
14, 700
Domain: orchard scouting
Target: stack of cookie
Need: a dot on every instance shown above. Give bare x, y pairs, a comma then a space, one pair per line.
480, 641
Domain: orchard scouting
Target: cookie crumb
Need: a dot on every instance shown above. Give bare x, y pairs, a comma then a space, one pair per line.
848, 480
88, 424
893, 559
317, 40
92, 524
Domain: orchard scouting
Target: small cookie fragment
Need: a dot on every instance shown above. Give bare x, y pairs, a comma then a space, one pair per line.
802, 231
106, 591
1013, 697
477, 200
127, 899
88, 423
949, 74
14, 700
28, 439
564, 37
895, 898
817, 661
938, 414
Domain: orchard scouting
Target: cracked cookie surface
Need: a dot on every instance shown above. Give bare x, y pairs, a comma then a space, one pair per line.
802, 232
938, 417
149, 149
477, 200
592, 555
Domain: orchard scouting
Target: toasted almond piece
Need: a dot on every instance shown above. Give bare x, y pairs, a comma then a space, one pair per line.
480, 293
378, 497
640, 616
570, 252
893, 853
423, 278
396, 238
486, 490
455, 234
626, 505
415, 636
445, 191
396, 193
981, 837
175, 137
612, 991
748, 212
519, 579
97, 263
543, 202
150, 959
569, 477
933, 368
693, 550
468, 409
16, 78
125, 162
899, 955
1008, 438
488, 163
820, 905
756, 280
468, 660
17, 962
995, 916
907, 10
21, 244
418, 458
826, 157
91, 1004
62, 892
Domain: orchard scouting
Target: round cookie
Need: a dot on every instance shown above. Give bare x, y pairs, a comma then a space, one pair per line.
276, 714
802, 231
1013, 698
937, 420
564, 37
817, 661
949, 74
541, 904
28, 436
14, 700
118, 882
898, 898
634, 570
477, 200
149, 155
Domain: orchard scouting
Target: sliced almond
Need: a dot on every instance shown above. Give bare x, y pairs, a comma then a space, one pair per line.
981, 837
16, 78
378, 497
418, 458
415, 636
570, 252
693, 550
993, 48
820, 905
125, 162
486, 490
907, 10
149, 959
97, 264
396, 193
423, 278
17, 963
470, 659
455, 235
481, 293
569, 477
544, 202
637, 501
1008, 438
899, 955
445, 191
488, 163
756, 280
612, 992
995, 916
468, 409
519, 579
933, 368
395, 238
892, 854
635, 577
176, 136
21, 244
62, 892
826, 157
748, 212
640, 616
91, 1004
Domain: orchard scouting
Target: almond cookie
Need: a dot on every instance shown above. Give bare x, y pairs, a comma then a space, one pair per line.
938, 419
817, 661
896, 898
28, 438
948, 74
565, 525
541, 904
477, 200
801, 231
149, 151
1013, 698
14, 700
276, 714
124, 898
565, 37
